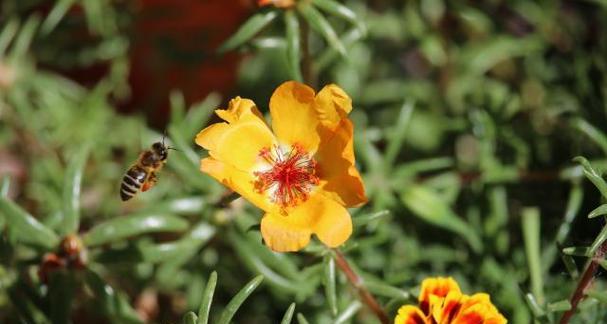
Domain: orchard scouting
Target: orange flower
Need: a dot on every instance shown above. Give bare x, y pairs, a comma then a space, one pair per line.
277, 3
442, 302
302, 174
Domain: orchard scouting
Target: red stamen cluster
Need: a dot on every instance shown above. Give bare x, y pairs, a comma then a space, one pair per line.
290, 178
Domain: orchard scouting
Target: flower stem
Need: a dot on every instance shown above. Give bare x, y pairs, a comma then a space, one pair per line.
357, 282
585, 281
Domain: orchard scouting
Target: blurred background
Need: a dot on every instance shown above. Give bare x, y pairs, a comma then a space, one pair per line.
467, 113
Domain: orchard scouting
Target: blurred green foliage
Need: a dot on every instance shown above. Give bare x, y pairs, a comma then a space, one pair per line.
467, 119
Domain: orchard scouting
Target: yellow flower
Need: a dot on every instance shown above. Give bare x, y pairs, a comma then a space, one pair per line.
442, 302
302, 174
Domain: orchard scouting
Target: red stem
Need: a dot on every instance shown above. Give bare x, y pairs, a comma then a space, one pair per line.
585, 282
357, 282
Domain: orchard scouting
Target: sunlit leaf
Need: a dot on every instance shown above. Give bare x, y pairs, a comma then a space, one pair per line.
24, 228
126, 226
238, 299
207, 299
247, 30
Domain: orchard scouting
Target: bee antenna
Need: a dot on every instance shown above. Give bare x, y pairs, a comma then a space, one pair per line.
172, 148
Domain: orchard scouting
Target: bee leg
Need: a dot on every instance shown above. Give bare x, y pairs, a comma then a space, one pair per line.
149, 182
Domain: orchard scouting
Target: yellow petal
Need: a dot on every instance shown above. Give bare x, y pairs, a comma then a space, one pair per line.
443, 310
239, 181
294, 119
238, 108
439, 286
478, 309
239, 141
410, 315
332, 105
290, 229
339, 178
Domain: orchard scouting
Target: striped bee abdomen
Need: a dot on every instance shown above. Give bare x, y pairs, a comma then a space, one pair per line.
132, 181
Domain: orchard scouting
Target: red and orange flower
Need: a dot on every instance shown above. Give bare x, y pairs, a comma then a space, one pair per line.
277, 3
301, 173
442, 302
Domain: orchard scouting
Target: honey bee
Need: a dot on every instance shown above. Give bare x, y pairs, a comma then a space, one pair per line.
142, 175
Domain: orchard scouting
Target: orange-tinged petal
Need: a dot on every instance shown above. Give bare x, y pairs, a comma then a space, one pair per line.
239, 141
238, 108
332, 105
239, 181
478, 306
439, 286
410, 315
289, 230
294, 119
443, 310
339, 179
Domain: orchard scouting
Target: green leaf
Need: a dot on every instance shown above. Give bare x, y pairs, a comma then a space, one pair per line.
25, 228
329, 283
6, 35
71, 192
428, 205
207, 299
601, 296
380, 288
598, 240
253, 260
126, 226
531, 238
395, 141
189, 318
337, 9
599, 211
360, 221
115, 305
247, 30
536, 309
349, 312
559, 306
293, 45
199, 114
193, 240
571, 266
54, 17
286, 319
61, 294
24, 39
5, 186
592, 175
577, 251
322, 26
177, 106
236, 301
301, 319
592, 132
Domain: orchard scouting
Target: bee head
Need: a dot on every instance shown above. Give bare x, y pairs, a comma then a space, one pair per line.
160, 149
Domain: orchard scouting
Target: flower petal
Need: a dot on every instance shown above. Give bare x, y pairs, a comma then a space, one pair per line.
339, 178
410, 315
237, 180
439, 286
478, 309
239, 141
332, 105
294, 118
290, 229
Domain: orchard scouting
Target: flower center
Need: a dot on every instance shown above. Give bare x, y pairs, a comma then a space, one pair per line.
290, 177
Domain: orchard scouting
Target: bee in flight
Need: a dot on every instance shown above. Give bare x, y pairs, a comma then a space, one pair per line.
142, 174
